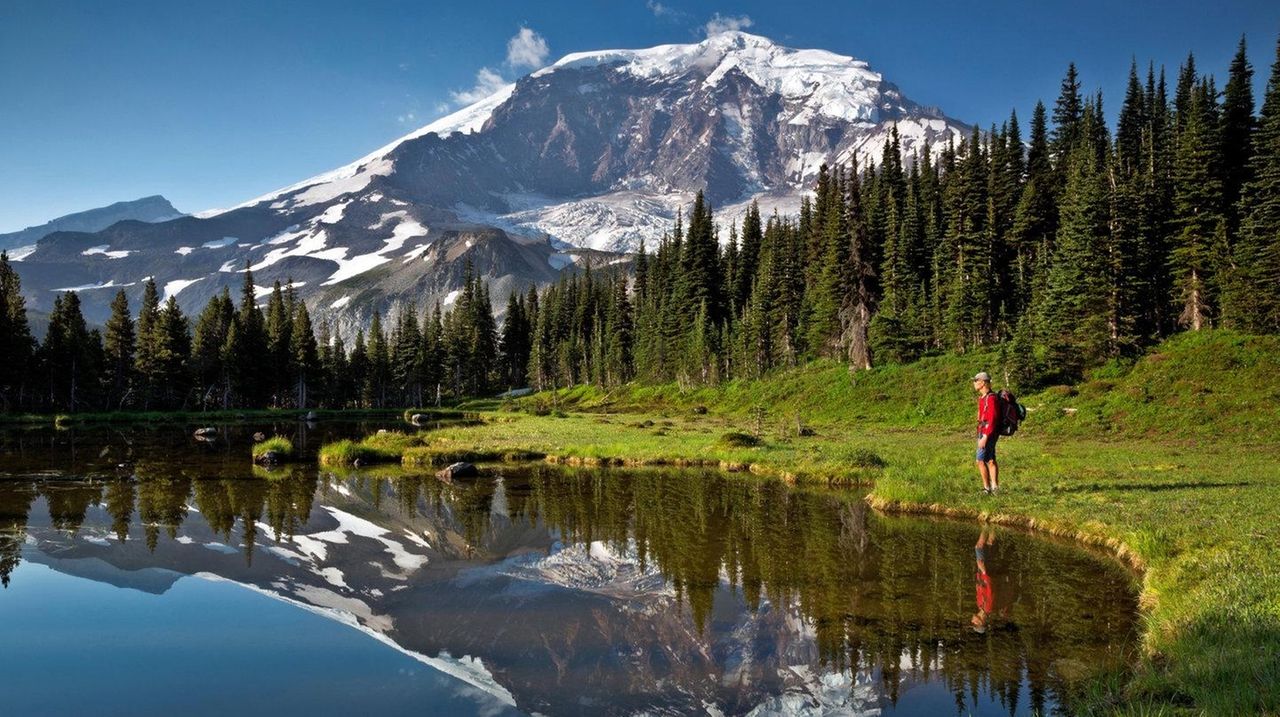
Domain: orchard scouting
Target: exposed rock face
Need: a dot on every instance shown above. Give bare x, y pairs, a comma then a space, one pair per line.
576, 163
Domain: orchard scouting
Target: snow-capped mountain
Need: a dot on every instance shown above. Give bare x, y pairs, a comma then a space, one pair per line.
147, 209
595, 152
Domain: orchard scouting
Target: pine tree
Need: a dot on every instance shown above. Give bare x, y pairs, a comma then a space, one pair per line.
618, 356
1197, 205
208, 367
1236, 140
149, 365
1132, 125
1068, 112
16, 342
247, 362
67, 357
279, 325
171, 348
306, 360
1254, 299
119, 349
1073, 311
379, 370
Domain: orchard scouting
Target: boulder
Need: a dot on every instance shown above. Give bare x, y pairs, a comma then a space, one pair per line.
259, 437
418, 419
458, 470
206, 432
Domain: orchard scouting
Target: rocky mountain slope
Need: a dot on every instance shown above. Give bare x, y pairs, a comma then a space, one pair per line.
595, 153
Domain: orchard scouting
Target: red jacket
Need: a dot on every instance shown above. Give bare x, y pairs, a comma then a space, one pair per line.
988, 414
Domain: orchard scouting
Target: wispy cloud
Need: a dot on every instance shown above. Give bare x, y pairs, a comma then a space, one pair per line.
527, 49
726, 23
663, 11
488, 81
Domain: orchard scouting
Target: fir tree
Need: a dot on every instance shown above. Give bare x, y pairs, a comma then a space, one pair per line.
306, 360
119, 344
1197, 205
1255, 288
16, 342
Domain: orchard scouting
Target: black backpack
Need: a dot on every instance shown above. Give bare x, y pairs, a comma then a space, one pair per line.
1011, 412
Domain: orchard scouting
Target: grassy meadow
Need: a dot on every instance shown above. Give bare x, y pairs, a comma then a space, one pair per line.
1170, 463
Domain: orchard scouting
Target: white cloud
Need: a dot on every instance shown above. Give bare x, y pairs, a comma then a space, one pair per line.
527, 49
660, 10
726, 23
407, 117
487, 82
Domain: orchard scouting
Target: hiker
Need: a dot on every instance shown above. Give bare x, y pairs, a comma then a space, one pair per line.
988, 433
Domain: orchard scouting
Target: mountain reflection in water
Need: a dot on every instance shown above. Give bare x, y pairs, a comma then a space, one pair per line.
589, 591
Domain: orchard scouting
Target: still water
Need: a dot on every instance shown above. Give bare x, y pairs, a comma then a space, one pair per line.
146, 572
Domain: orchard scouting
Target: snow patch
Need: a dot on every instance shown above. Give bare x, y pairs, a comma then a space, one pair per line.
22, 252
175, 287
340, 303
103, 249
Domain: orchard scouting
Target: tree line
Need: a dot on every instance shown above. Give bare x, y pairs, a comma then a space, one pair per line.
1074, 247
242, 355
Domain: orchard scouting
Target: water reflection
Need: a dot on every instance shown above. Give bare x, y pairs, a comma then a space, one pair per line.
610, 591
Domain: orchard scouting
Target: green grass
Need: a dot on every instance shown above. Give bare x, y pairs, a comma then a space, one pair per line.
382, 447
1169, 462
281, 446
1203, 384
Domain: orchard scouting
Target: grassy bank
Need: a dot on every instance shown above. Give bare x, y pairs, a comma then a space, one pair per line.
1169, 462
1197, 517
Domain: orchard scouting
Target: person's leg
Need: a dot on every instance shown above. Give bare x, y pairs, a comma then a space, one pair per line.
993, 470
982, 473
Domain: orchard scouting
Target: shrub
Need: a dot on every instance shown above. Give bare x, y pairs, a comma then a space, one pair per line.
866, 458
737, 439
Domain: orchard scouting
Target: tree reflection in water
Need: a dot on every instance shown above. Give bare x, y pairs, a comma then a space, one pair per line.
894, 598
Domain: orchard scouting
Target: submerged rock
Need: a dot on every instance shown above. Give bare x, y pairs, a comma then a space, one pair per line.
259, 436
205, 432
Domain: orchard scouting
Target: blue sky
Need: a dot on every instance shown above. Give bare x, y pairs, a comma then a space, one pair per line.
212, 103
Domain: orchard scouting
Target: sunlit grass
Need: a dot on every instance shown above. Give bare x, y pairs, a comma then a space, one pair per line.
279, 445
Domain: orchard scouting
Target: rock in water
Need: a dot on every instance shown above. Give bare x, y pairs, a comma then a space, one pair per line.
268, 458
458, 470
259, 436
207, 431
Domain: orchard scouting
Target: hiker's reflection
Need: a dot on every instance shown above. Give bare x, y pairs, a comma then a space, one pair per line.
984, 586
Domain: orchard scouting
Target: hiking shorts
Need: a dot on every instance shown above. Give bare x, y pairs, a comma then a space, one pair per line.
989, 452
